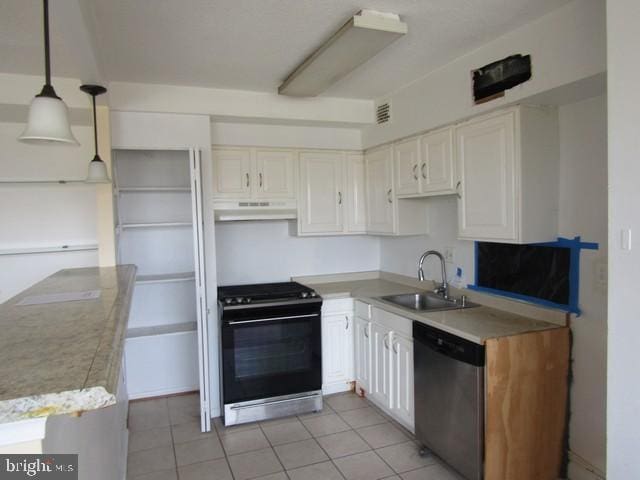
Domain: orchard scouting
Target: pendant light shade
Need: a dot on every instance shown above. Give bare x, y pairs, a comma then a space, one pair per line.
97, 168
48, 116
97, 171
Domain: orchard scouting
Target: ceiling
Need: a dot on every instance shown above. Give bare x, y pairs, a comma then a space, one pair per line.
244, 44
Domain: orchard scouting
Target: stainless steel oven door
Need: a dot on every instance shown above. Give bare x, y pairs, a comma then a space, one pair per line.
269, 354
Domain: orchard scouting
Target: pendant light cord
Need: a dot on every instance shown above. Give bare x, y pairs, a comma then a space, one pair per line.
47, 67
95, 125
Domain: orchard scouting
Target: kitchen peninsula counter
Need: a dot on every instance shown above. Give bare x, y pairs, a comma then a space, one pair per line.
64, 358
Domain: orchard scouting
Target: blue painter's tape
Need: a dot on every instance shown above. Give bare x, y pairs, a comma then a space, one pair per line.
575, 245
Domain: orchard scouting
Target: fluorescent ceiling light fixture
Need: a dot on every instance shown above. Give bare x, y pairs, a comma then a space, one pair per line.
48, 116
360, 39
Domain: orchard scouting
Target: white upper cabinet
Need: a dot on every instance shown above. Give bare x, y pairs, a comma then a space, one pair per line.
436, 172
356, 196
386, 214
253, 173
424, 166
275, 172
507, 168
232, 172
321, 192
332, 193
406, 164
379, 190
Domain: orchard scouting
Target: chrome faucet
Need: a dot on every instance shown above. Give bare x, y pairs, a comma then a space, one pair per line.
443, 289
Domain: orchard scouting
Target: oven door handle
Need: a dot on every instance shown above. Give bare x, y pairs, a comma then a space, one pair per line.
272, 319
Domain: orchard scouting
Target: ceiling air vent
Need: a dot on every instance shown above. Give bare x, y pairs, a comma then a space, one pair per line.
383, 113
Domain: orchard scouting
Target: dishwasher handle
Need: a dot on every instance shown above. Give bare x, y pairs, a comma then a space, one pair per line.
449, 345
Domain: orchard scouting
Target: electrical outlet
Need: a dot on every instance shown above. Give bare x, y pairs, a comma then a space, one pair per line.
448, 254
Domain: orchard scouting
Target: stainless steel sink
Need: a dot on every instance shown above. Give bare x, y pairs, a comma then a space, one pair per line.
426, 302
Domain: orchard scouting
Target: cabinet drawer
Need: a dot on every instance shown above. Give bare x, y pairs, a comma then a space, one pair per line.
338, 306
393, 322
363, 310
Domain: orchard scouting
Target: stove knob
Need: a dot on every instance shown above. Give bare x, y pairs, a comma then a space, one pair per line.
313, 294
239, 299
228, 301
304, 294
248, 300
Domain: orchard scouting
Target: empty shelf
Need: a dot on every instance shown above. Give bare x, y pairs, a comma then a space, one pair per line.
166, 278
126, 226
161, 329
51, 249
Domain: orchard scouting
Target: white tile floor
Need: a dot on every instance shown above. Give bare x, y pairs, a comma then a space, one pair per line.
350, 439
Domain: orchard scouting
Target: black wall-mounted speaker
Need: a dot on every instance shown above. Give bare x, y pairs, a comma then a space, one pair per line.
495, 78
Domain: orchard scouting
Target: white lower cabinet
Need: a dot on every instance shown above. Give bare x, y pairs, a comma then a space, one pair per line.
362, 363
402, 361
381, 366
384, 361
337, 346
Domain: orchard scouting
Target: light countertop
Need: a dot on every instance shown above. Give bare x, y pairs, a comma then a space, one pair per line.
475, 324
60, 358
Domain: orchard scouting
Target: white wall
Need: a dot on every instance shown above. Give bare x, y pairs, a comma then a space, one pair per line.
567, 45
292, 136
258, 107
44, 215
623, 396
583, 211
263, 251
401, 254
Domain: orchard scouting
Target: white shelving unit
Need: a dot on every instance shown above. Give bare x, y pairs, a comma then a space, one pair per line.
154, 205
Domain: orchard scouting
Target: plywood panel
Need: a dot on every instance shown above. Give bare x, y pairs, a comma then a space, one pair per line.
526, 405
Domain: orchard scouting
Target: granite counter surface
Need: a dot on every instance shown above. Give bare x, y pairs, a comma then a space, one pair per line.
61, 358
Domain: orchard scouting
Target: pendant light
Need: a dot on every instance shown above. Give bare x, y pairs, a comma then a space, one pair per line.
97, 168
48, 116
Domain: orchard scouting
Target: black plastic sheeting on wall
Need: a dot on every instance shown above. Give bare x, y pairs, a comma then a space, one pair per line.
532, 270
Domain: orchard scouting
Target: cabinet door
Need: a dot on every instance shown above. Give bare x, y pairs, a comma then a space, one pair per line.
321, 192
337, 348
402, 390
274, 174
363, 353
232, 172
437, 165
406, 163
381, 365
379, 191
486, 160
356, 198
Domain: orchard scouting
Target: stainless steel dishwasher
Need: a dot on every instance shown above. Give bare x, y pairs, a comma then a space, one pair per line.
449, 398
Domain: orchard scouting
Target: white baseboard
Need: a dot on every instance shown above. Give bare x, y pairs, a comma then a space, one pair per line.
331, 388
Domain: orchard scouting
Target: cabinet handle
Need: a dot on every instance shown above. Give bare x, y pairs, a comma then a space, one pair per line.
339, 198
415, 173
346, 325
247, 175
395, 349
424, 165
386, 341
260, 177
458, 189
366, 331
389, 196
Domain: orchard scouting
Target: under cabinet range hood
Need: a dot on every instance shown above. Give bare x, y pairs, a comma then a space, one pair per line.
230, 211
